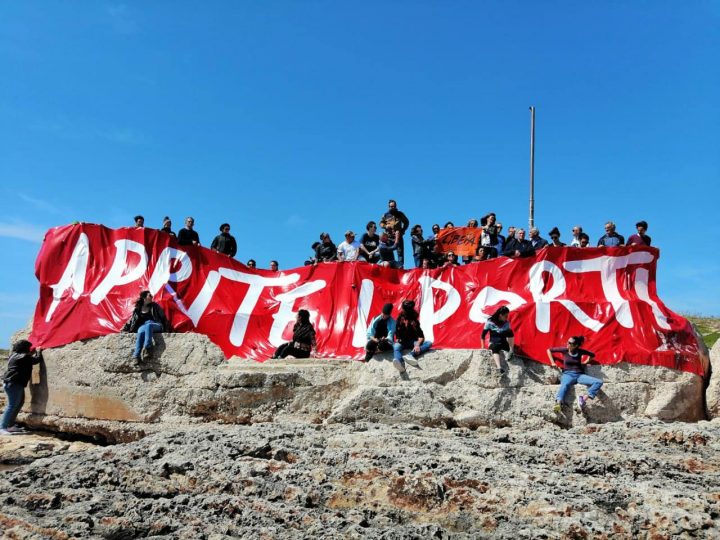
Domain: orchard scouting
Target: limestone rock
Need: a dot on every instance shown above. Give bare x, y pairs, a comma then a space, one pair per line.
94, 388
712, 394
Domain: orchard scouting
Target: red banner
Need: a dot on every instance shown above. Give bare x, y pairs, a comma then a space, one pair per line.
462, 241
90, 277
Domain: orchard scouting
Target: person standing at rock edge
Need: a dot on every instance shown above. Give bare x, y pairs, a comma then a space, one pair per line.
574, 360
501, 336
303, 342
397, 221
15, 380
187, 235
147, 318
224, 242
381, 333
408, 335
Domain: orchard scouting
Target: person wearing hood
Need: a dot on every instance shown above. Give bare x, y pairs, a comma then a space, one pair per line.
224, 242
555, 238
381, 333
16, 378
408, 335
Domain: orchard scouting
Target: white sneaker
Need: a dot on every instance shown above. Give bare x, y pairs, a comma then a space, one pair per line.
7, 432
411, 360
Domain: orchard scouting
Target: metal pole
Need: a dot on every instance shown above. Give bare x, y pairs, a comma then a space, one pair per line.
532, 167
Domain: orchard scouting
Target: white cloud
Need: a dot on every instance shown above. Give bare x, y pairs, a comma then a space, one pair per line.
22, 231
39, 204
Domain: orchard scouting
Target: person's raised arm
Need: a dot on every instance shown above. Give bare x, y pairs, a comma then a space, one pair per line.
551, 358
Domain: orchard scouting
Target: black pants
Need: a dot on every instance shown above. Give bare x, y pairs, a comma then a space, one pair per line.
287, 349
374, 346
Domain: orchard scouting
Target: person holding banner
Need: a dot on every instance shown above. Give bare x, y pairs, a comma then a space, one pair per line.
574, 360
303, 342
408, 335
501, 336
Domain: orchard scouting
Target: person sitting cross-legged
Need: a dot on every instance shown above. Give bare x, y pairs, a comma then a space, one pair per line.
408, 335
381, 333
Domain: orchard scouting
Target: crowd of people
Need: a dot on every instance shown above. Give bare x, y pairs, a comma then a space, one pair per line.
383, 242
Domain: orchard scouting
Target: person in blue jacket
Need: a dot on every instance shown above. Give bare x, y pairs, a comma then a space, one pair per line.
381, 333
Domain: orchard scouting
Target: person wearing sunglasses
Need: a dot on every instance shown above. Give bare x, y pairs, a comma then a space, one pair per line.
574, 360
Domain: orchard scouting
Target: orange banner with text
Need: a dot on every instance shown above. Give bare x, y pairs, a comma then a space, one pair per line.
462, 241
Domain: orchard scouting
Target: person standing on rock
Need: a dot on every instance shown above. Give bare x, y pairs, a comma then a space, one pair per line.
408, 335
15, 380
501, 336
381, 333
147, 318
573, 371
303, 342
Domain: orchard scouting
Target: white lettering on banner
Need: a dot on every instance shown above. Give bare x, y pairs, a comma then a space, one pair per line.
285, 313
428, 316
161, 274
608, 266
490, 296
544, 300
256, 283
117, 276
74, 275
367, 288
642, 277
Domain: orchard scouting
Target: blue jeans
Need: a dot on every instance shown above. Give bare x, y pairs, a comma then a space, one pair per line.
15, 399
144, 336
399, 346
570, 378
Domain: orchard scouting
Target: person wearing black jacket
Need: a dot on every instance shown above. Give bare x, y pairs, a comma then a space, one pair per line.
396, 220
326, 251
517, 246
224, 242
187, 235
408, 335
147, 318
303, 342
15, 380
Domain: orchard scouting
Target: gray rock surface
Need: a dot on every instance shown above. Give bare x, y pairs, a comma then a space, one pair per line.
712, 394
635, 479
94, 388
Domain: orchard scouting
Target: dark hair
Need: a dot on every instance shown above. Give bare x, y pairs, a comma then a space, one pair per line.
449, 224
21, 347
223, 226
138, 217
415, 228
370, 224
315, 245
583, 235
392, 201
408, 308
141, 299
274, 261
502, 310
304, 315
251, 261
435, 225
578, 340
642, 224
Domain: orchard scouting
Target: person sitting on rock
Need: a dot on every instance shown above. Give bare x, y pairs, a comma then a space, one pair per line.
386, 250
381, 333
147, 319
574, 360
19, 371
501, 336
408, 335
224, 242
303, 342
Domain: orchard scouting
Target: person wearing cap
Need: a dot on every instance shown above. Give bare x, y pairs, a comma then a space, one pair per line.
408, 335
381, 333
349, 249
224, 242
167, 227
554, 235
640, 239
326, 251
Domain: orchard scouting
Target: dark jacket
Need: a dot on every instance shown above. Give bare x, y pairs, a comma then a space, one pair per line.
523, 246
168, 231
19, 368
186, 237
407, 329
538, 242
398, 215
224, 243
326, 252
158, 315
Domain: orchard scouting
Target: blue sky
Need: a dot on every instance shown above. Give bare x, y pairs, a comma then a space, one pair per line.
290, 118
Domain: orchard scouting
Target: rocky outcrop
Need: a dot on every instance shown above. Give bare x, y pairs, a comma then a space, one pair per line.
635, 479
712, 395
94, 388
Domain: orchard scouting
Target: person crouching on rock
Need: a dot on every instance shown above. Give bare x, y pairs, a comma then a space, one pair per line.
381, 333
501, 336
15, 380
147, 318
408, 335
303, 342
573, 371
